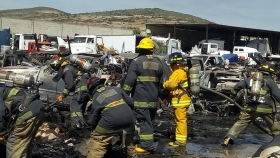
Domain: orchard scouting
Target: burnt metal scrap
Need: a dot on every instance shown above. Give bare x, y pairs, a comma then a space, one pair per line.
57, 139
220, 77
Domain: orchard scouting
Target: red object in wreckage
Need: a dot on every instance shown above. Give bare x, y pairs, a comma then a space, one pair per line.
241, 57
32, 47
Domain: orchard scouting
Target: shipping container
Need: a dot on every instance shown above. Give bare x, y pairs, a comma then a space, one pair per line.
5, 36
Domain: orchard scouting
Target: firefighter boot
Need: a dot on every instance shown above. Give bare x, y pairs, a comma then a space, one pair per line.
227, 141
177, 143
140, 150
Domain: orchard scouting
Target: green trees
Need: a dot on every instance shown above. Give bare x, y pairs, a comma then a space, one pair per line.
136, 31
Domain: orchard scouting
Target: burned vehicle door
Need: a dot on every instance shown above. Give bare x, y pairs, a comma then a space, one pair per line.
220, 60
211, 61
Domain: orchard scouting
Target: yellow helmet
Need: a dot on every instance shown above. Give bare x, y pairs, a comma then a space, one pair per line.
146, 43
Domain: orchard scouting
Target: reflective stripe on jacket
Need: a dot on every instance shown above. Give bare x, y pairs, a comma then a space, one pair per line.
144, 77
112, 111
178, 84
259, 109
11, 94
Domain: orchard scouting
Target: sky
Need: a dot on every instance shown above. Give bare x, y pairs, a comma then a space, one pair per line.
260, 14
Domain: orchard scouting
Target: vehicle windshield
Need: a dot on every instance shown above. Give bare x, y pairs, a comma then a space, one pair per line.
204, 58
79, 40
204, 46
175, 44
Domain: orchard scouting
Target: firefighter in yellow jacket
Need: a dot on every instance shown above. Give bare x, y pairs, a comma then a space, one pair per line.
177, 84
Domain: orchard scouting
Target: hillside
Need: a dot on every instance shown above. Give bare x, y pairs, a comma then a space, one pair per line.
129, 18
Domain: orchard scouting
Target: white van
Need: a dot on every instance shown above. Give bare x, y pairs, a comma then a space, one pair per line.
245, 53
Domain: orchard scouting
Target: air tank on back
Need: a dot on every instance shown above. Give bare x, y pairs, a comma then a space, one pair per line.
19, 79
82, 63
194, 83
256, 84
49, 90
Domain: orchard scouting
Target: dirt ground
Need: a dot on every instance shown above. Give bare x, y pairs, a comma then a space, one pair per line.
204, 138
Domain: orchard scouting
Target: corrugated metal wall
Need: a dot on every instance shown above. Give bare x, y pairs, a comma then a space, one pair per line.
192, 38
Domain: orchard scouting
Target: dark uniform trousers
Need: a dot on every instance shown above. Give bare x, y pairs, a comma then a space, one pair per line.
111, 116
19, 143
143, 80
98, 145
246, 118
145, 118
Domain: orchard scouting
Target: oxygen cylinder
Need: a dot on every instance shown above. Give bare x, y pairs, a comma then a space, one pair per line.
194, 81
271, 151
256, 84
17, 78
82, 63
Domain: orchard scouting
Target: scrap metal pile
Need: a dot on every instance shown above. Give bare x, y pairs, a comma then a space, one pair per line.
57, 137
222, 78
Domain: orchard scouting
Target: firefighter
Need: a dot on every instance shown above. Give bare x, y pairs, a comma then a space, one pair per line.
75, 85
178, 84
260, 92
144, 77
21, 114
112, 115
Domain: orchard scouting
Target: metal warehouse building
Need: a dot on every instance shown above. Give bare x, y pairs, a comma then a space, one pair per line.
191, 34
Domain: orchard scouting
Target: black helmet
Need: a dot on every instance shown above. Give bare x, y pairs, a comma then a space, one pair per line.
267, 68
93, 83
56, 63
176, 58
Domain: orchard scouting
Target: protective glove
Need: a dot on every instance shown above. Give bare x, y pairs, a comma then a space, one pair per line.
61, 97
65, 93
77, 120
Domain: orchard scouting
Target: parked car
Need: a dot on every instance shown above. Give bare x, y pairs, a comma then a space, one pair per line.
211, 60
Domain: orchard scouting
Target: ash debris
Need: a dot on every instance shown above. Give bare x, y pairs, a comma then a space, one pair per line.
202, 130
